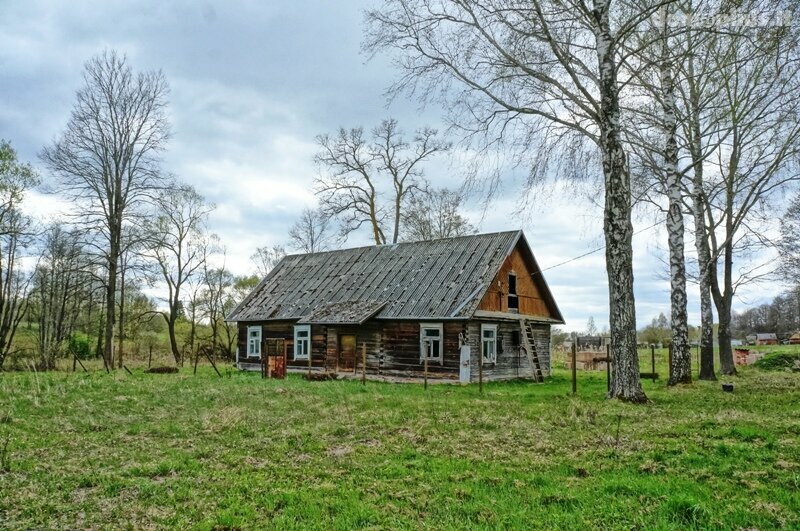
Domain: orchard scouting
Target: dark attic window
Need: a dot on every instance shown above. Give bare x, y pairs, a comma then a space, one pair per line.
513, 299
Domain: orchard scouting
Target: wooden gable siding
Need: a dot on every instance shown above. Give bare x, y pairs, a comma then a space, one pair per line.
530, 298
511, 361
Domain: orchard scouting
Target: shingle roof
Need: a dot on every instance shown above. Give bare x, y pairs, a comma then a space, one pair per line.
439, 279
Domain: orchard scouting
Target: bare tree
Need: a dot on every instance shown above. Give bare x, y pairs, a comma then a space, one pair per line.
106, 160
311, 233
756, 79
360, 172
267, 257
15, 235
435, 214
61, 283
178, 247
532, 77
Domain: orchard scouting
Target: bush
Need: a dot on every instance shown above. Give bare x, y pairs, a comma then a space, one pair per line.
79, 346
778, 361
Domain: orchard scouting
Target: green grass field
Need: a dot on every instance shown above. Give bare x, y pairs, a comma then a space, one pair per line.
104, 450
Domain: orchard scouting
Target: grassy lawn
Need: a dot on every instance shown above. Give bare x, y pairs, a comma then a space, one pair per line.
149, 451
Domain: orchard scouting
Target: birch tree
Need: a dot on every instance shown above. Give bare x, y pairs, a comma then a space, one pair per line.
358, 174
534, 76
107, 159
757, 74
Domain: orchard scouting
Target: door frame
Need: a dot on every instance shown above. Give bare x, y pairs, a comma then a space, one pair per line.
339, 337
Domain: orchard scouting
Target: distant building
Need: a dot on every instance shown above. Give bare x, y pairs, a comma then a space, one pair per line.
795, 339
766, 339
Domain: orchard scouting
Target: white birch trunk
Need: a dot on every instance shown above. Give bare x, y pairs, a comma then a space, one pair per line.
617, 225
681, 363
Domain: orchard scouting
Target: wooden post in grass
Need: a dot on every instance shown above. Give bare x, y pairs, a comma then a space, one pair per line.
196, 359
74, 362
669, 360
309, 358
425, 364
653, 359
608, 368
574, 368
150, 357
480, 369
208, 357
364, 364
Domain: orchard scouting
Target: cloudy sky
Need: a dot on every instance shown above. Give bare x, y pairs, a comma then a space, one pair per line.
252, 83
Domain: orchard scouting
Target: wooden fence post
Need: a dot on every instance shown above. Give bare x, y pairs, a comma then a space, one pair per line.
669, 358
574, 368
480, 368
150, 357
425, 364
608, 368
653, 359
364, 364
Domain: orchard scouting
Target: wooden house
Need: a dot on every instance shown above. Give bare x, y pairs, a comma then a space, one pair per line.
766, 339
471, 305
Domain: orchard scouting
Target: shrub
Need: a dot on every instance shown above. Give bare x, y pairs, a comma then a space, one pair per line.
778, 361
79, 346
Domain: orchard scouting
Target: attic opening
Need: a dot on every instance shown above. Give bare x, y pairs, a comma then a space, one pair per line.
513, 298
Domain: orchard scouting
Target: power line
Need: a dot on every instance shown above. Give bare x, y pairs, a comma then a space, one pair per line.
593, 251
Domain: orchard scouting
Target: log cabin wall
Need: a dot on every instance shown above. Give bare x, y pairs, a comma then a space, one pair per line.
284, 330
511, 360
393, 348
368, 334
530, 297
401, 349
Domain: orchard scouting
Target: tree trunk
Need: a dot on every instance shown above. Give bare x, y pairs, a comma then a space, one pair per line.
681, 360
121, 338
617, 226
173, 341
726, 363
111, 299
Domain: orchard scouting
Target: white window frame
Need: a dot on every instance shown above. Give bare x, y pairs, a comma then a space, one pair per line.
492, 358
254, 342
423, 351
298, 342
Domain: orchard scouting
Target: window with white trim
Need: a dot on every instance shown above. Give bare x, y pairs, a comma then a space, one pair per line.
302, 342
254, 341
489, 343
430, 342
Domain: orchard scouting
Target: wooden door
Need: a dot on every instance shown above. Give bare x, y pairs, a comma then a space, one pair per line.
347, 353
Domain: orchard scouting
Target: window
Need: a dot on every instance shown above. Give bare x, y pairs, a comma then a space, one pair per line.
302, 342
513, 299
430, 342
254, 341
489, 343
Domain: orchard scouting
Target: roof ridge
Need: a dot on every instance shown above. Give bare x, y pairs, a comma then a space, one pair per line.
477, 235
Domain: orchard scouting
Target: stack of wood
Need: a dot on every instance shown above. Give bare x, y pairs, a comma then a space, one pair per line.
586, 360
746, 357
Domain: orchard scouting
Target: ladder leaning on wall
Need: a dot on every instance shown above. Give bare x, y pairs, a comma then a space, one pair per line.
529, 344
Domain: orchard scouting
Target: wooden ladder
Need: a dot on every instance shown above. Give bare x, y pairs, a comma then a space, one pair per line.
529, 344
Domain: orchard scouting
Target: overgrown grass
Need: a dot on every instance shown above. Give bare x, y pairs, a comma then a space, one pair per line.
148, 450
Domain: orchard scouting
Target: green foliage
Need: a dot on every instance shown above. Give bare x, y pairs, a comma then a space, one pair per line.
80, 346
778, 361
241, 452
